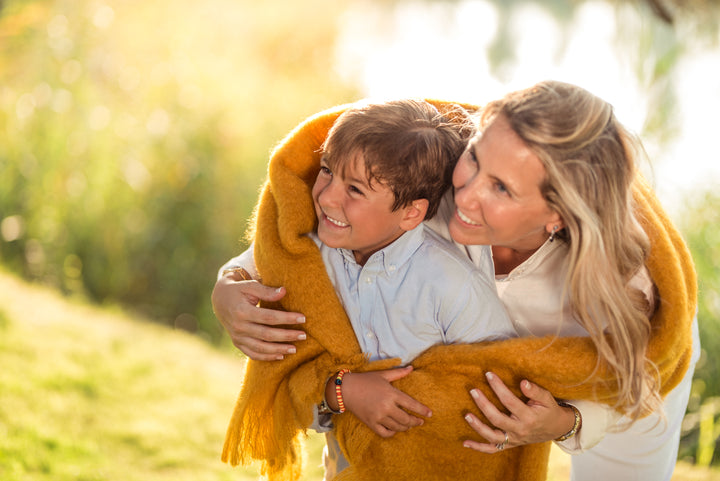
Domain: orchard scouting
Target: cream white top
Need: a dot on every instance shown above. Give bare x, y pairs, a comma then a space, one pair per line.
534, 299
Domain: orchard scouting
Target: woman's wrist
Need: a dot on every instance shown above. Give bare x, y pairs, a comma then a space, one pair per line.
577, 422
237, 274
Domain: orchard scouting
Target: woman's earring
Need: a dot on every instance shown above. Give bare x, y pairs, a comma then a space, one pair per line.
552, 234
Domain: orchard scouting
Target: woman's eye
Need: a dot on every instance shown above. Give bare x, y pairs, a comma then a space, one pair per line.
501, 187
473, 157
354, 190
325, 170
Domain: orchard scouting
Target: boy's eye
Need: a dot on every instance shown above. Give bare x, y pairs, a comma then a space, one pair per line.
501, 187
325, 170
355, 190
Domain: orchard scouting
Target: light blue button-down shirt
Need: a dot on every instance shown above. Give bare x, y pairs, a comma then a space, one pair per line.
416, 292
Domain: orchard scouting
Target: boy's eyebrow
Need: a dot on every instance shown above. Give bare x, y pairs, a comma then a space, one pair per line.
358, 180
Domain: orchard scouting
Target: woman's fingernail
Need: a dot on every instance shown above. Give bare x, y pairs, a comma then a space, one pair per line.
489, 376
302, 337
526, 384
301, 320
468, 418
474, 393
291, 350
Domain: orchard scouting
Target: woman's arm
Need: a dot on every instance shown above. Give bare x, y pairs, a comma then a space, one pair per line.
235, 303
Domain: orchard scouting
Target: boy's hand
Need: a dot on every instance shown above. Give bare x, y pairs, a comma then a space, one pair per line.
384, 409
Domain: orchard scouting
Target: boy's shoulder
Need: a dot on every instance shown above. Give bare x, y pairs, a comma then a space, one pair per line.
442, 265
435, 249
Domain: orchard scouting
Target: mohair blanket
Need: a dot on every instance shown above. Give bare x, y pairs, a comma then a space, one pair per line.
275, 403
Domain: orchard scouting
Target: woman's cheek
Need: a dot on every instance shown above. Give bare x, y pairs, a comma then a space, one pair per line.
460, 174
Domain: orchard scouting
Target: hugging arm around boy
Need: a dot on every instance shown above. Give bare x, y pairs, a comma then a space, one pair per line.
277, 398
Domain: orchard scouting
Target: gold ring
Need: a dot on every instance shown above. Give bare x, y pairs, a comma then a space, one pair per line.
501, 446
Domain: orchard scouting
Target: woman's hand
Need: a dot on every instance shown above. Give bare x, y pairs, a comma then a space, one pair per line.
383, 408
540, 419
235, 303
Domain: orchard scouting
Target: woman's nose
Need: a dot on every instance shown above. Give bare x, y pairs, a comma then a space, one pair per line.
469, 194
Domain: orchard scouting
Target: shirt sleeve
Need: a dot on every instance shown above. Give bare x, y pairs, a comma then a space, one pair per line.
244, 260
321, 423
477, 314
597, 419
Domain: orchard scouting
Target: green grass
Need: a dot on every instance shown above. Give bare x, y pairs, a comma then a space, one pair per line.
90, 394
87, 394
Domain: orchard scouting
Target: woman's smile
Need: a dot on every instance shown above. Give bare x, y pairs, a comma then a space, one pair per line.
465, 218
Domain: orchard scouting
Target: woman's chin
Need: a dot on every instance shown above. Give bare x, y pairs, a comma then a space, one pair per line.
465, 235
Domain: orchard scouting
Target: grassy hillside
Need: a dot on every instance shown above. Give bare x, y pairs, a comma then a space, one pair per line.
88, 395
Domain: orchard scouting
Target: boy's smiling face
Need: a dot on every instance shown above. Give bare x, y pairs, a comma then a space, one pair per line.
354, 214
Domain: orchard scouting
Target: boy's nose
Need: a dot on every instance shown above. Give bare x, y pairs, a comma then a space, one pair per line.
329, 194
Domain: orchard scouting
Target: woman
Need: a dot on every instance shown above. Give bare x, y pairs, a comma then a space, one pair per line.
547, 183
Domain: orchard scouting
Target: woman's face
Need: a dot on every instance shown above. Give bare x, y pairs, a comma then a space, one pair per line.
497, 193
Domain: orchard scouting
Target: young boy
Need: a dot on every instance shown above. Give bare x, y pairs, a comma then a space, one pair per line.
384, 170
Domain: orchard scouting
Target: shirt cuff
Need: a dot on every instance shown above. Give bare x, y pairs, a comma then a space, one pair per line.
597, 419
322, 423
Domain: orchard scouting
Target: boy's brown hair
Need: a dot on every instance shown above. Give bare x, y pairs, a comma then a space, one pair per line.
407, 145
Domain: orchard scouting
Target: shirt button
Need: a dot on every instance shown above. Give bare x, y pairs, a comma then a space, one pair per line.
368, 280
370, 335
391, 268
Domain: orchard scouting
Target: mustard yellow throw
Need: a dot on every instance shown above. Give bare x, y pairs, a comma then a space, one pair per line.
275, 404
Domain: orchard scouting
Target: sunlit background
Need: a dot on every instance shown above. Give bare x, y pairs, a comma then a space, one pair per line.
135, 135
663, 81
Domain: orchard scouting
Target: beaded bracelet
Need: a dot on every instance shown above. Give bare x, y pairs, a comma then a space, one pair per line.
576, 426
338, 389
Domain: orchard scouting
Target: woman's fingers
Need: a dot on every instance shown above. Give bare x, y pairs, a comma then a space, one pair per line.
538, 420
262, 350
495, 437
514, 404
536, 394
490, 411
253, 330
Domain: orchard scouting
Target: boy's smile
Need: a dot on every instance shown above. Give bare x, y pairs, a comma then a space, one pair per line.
336, 222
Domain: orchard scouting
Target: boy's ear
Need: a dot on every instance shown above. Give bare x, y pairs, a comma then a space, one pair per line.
414, 214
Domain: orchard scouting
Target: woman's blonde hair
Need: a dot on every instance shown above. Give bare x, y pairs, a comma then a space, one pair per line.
589, 159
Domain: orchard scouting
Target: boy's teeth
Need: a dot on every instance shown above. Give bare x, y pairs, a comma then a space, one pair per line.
336, 222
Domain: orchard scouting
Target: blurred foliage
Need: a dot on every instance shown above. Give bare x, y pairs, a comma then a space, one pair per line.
136, 134
701, 228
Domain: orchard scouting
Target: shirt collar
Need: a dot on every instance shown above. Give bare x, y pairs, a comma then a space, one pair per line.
393, 256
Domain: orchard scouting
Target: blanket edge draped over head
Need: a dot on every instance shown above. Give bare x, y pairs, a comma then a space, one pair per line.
275, 405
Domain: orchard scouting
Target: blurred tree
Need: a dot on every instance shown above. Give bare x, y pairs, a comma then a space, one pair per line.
701, 228
136, 136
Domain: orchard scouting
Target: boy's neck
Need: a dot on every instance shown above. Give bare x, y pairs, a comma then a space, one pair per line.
362, 257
